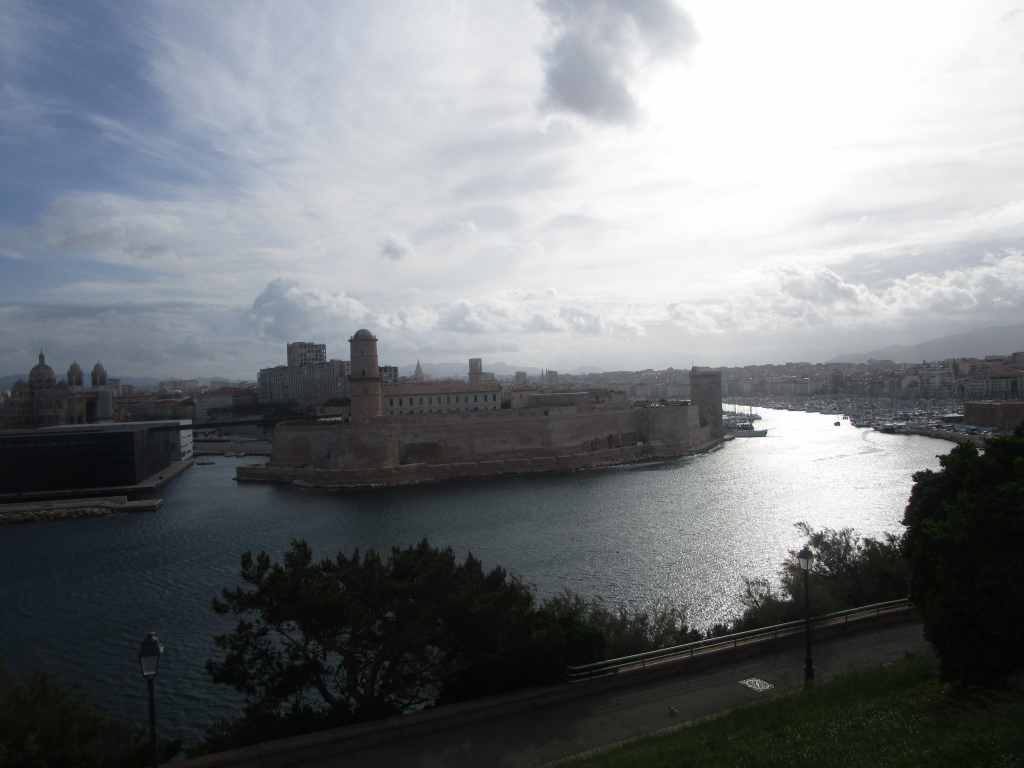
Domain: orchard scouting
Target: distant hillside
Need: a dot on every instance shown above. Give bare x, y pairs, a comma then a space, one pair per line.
442, 370
997, 340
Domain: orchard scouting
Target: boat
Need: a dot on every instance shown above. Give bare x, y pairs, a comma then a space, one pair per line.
746, 429
837, 423
204, 462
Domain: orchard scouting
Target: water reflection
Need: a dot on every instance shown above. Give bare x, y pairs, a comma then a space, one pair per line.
85, 592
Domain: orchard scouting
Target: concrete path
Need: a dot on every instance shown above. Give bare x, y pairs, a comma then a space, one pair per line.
555, 731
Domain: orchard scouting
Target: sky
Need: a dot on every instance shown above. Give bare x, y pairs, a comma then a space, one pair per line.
623, 184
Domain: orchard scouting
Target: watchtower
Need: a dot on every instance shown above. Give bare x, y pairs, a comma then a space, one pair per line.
706, 394
364, 380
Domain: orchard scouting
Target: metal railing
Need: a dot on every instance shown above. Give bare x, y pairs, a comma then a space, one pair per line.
642, 661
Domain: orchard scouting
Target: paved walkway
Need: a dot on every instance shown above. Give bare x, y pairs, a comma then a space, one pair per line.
555, 731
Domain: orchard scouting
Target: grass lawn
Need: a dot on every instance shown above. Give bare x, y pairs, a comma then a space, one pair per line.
897, 715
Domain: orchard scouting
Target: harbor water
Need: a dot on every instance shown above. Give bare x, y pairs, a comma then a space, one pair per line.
83, 593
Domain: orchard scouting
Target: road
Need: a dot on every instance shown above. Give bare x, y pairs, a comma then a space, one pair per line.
549, 733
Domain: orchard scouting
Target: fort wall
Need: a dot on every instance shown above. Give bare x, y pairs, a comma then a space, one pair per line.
552, 431
422, 447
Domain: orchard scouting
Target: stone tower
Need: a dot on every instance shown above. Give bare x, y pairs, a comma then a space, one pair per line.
706, 394
476, 370
99, 375
364, 380
76, 377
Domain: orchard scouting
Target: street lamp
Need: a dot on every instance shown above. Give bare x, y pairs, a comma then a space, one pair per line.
806, 558
149, 660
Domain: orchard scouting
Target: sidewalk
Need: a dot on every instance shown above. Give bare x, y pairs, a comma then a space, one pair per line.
550, 732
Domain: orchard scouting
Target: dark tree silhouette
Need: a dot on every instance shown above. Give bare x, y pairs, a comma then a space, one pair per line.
965, 544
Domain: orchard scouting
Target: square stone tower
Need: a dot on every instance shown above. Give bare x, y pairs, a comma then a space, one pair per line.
706, 394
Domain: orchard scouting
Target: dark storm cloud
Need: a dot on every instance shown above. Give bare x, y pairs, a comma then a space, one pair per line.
597, 43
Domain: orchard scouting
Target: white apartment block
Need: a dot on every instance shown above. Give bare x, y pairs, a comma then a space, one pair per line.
311, 384
305, 352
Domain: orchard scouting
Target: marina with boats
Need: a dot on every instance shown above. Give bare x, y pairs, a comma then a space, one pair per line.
942, 419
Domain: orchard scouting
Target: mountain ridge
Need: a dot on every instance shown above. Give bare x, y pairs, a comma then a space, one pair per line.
993, 340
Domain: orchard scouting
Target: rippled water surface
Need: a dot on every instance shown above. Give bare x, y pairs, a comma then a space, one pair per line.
83, 593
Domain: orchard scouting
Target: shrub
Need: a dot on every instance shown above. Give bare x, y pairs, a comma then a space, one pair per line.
49, 722
847, 572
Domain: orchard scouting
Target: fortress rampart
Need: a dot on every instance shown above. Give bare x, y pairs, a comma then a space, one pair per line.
558, 433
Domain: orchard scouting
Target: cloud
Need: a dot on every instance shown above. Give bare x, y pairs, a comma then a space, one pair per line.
396, 246
784, 296
154, 339
596, 48
287, 311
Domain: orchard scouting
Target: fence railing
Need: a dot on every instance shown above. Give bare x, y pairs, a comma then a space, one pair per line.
642, 661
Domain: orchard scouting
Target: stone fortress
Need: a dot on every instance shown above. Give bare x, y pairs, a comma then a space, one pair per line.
423, 439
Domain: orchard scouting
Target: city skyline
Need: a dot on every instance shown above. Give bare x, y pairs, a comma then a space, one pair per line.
564, 183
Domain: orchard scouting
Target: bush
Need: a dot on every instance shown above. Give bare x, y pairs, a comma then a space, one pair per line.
848, 572
49, 723
617, 633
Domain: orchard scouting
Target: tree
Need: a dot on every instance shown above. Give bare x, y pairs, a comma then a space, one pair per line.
848, 572
602, 632
355, 638
965, 544
49, 722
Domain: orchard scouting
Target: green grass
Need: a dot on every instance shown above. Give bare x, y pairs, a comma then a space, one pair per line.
897, 715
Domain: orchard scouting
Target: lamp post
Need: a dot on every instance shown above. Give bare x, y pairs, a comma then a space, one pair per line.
149, 659
806, 558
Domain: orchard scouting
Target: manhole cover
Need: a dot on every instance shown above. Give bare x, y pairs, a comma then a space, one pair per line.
757, 684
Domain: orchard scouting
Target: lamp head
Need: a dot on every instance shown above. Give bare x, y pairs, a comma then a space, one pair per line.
149, 655
806, 558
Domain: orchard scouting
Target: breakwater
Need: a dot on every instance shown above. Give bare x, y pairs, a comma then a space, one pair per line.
69, 509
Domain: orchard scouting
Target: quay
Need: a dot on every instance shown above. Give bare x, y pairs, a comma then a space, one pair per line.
66, 509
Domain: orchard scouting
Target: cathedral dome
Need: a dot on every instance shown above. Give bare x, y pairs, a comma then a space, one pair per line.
41, 376
75, 376
363, 335
99, 375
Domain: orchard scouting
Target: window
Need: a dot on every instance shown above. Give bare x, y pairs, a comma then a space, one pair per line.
456, 398
474, 398
430, 401
392, 401
399, 401
421, 401
449, 399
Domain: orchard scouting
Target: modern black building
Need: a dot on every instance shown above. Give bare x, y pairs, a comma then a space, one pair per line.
74, 458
